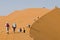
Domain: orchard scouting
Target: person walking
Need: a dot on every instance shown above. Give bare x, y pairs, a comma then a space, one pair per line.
14, 27
20, 30
24, 30
29, 25
7, 27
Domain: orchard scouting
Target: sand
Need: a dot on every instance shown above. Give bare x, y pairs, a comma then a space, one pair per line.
47, 27
22, 18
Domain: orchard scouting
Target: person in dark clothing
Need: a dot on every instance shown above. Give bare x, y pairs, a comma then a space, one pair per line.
24, 30
20, 30
7, 27
29, 25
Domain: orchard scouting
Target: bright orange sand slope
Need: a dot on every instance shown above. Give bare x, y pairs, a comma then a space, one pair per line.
22, 18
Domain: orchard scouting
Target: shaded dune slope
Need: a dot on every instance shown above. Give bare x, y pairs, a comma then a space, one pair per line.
47, 27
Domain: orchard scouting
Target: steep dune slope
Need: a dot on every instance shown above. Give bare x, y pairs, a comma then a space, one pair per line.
47, 27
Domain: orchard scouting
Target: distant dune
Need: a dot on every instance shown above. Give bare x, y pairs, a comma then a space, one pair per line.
47, 27
22, 18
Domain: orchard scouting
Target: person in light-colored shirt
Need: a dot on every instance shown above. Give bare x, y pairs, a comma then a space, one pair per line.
14, 27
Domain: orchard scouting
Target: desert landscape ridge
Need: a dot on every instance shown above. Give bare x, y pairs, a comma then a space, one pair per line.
47, 27
22, 18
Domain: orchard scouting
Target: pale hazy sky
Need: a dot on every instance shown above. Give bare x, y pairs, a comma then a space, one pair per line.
8, 6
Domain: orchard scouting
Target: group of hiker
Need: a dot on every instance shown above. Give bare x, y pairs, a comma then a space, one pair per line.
7, 25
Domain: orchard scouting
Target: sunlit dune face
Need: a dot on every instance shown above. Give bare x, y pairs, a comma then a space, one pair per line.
21, 18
